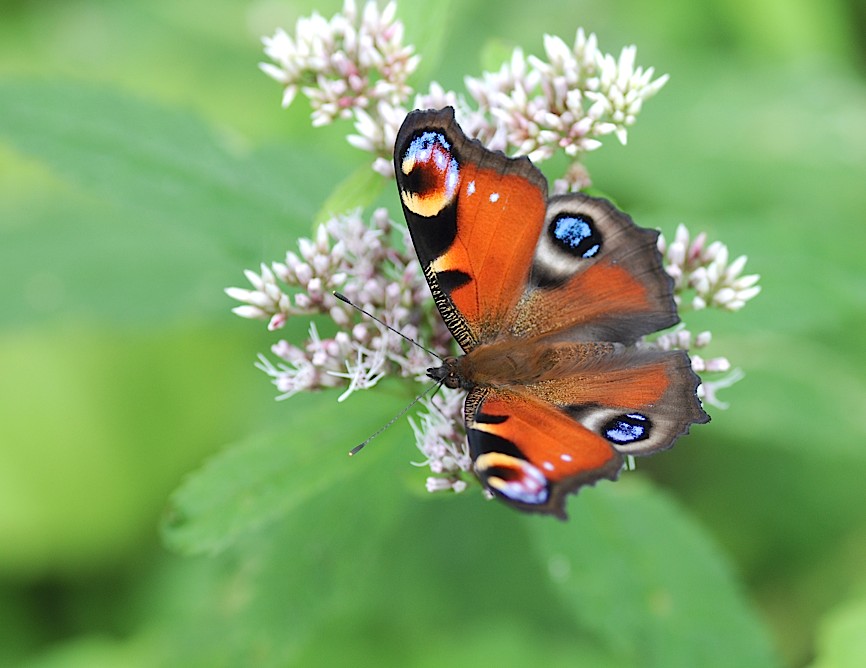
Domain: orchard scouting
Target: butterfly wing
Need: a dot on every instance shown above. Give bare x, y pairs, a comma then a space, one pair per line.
596, 276
639, 400
533, 444
531, 454
475, 217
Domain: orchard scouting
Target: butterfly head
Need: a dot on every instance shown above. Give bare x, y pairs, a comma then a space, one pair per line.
449, 374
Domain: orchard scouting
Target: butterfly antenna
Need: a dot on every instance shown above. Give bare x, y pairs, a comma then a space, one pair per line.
345, 299
437, 385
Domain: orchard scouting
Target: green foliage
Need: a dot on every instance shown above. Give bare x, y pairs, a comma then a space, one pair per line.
842, 637
267, 477
352, 567
659, 601
124, 376
360, 189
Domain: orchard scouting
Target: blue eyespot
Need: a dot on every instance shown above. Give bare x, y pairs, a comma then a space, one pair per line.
431, 168
627, 428
576, 234
423, 143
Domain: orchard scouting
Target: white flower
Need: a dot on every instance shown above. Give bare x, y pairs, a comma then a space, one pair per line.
355, 66
441, 438
350, 63
354, 257
568, 101
706, 271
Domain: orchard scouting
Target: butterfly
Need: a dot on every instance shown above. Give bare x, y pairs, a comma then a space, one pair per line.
547, 298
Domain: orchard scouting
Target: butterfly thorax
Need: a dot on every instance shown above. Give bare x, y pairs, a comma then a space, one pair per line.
519, 362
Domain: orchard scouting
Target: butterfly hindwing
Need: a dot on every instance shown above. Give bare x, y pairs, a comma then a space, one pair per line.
574, 429
596, 276
639, 400
474, 216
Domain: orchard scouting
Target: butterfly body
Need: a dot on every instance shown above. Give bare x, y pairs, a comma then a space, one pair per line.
547, 298
516, 362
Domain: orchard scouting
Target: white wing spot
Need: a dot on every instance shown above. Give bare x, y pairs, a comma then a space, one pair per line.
565, 458
470, 188
494, 197
547, 466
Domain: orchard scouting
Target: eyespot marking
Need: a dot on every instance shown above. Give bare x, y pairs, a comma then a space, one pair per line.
576, 234
431, 174
629, 428
513, 478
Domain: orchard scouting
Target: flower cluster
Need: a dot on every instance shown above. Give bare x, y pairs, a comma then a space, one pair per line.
441, 437
363, 263
704, 270
567, 101
351, 62
355, 66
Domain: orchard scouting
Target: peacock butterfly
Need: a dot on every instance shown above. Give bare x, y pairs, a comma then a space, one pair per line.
547, 297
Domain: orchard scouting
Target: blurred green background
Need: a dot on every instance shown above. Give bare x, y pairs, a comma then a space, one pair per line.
145, 162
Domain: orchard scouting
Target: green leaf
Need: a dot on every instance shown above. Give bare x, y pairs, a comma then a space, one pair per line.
272, 474
633, 567
372, 574
842, 637
364, 570
158, 163
305, 526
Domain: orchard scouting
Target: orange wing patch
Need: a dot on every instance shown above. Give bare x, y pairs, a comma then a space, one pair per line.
499, 218
604, 291
626, 387
475, 217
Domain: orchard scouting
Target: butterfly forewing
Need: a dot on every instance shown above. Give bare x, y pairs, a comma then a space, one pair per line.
474, 216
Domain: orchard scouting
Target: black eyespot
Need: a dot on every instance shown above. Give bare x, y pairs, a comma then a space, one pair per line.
627, 428
576, 234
